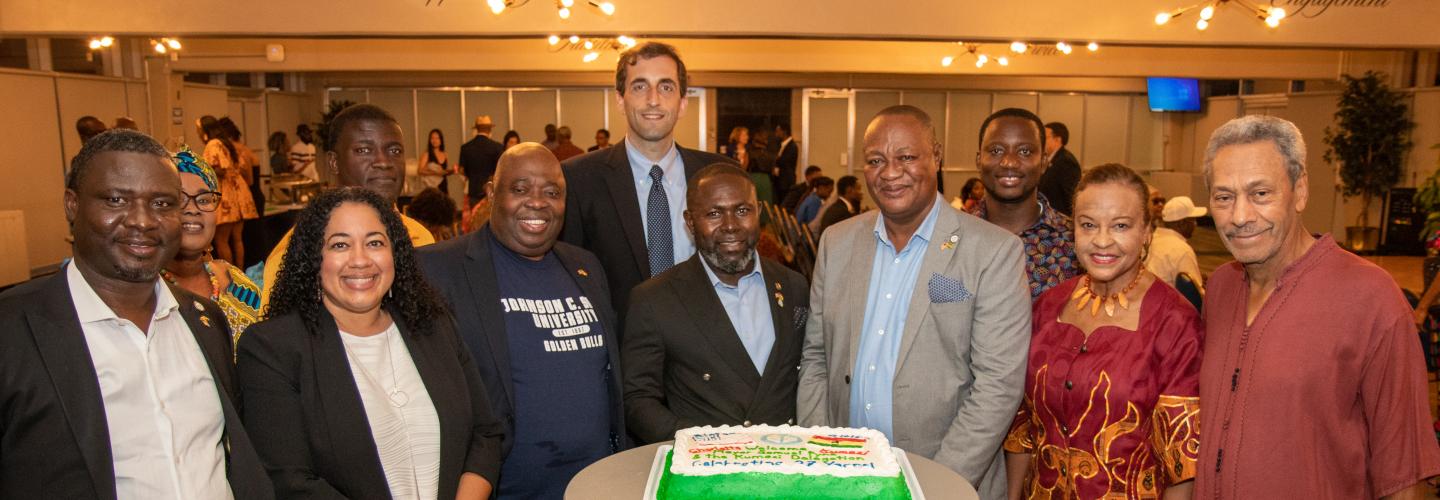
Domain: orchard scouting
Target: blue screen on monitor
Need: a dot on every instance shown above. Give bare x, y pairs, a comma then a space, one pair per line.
1174, 94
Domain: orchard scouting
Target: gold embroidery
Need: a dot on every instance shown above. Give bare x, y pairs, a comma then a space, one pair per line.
1176, 436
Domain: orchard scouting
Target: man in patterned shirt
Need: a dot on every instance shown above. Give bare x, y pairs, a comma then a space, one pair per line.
1011, 161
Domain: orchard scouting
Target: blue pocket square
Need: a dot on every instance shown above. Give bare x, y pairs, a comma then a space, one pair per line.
946, 289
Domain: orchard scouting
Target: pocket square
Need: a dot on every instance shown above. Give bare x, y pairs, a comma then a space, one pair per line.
802, 315
945, 289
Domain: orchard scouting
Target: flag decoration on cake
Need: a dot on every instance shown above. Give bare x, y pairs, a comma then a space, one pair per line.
837, 441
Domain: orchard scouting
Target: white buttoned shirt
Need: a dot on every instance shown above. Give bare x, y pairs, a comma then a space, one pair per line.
161, 403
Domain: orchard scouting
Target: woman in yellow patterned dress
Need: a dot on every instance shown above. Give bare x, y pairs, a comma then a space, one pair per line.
236, 205
192, 268
1112, 405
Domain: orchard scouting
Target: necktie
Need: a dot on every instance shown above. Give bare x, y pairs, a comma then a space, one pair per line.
657, 214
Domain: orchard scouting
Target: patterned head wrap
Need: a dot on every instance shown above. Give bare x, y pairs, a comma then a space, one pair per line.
187, 163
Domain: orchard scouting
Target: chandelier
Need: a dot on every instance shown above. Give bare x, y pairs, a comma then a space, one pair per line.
983, 57
1271, 16
591, 45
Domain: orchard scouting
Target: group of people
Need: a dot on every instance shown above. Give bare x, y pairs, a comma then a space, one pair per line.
618, 296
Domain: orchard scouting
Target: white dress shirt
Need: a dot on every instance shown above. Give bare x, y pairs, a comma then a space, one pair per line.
1171, 255
162, 406
407, 436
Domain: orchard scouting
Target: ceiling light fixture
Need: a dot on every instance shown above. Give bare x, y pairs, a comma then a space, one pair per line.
563, 8
101, 42
1018, 47
592, 46
1269, 16
1093, 46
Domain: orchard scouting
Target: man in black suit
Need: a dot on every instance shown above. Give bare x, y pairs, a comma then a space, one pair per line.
114, 384
786, 161
536, 315
716, 339
1060, 180
845, 206
614, 193
478, 157
796, 194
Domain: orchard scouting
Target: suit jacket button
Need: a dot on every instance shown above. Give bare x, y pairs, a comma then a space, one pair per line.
706, 377
791, 421
746, 423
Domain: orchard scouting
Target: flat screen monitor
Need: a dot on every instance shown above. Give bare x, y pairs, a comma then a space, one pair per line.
1174, 94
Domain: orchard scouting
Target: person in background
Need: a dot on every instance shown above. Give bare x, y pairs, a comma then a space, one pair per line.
478, 157
820, 190
356, 384
918, 323
435, 162
537, 313
787, 159
249, 168
1157, 203
551, 141
114, 385
88, 126
716, 339
1313, 380
279, 146
565, 147
193, 269
738, 147
127, 123
602, 140
970, 195
302, 154
1011, 161
436, 211
1170, 254
845, 206
797, 193
762, 164
1063, 175
512, 139
367, 149
1114, 365
236, 205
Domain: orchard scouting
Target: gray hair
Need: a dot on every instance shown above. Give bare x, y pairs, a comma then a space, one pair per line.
1257, 128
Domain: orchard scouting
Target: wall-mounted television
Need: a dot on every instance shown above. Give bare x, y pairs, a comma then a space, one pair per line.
1173, 94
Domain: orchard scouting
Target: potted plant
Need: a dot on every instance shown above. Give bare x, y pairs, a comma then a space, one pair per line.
1427, 201
1369, 141
323, 130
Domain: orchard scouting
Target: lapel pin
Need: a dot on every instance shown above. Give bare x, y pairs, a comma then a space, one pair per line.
780, 299
954, 238
949, 244
777, 286
205, 320
199, 307
582, 273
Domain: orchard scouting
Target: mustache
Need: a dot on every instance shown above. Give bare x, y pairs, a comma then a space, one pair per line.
1245, 231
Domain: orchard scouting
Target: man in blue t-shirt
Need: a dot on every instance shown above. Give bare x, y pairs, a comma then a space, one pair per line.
537, 316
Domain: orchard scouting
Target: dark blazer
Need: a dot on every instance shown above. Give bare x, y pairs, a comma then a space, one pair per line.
54, 437
463, 270
837, 212
478, 158
603, 213
787, 160
310, 423
1060, 180
685, 366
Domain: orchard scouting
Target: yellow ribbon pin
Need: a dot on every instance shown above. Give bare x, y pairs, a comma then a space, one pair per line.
582, 273
780, 298
205, 320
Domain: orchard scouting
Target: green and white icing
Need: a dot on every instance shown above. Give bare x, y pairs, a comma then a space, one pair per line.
781, 462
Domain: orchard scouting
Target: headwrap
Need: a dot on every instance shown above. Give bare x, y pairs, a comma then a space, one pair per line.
187, 163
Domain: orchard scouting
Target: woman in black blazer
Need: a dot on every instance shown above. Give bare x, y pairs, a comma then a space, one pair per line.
356, 384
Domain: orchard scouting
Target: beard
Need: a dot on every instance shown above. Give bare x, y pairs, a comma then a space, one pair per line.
136, 274
729, 264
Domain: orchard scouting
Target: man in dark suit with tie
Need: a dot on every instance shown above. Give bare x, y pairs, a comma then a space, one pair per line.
716, 339
1060, 180
478, 157
845, 206
786, 161
625, 202
114, 384
536, 315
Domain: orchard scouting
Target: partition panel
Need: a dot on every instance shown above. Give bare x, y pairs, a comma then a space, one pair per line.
1026, 101
827, 141
401, 105
103, 99
440, 109
583, 110
1108, 116
533, 110
967, 111
492, 103
137, 101
1068, 109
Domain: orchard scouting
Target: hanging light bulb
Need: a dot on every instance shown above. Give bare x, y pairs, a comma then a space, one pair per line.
1063, 47
1277, 13
1004, 61
1093, 46
554, 40
979, 63
589, 45
1202, 24
591, 57
160, 48
574, 39
496, 6
626, 41
1017, 47
982, 58
94, 44
107, 41
172, 43
567, 3
1162, 18
564, 13
947, 61
608, 8
1207, 12
1272, 21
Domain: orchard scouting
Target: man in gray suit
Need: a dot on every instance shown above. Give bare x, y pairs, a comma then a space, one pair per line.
928, 346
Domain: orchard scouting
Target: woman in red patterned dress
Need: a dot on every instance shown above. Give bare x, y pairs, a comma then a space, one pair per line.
1111, 405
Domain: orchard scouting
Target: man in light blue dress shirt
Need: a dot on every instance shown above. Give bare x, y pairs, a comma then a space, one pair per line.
715, 340
920, 319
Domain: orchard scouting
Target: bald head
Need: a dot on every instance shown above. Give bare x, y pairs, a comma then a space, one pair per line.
527, 200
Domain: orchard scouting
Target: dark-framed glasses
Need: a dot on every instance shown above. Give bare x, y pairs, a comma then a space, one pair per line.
206, 201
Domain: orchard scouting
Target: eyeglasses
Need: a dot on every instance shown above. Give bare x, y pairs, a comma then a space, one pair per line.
206, 201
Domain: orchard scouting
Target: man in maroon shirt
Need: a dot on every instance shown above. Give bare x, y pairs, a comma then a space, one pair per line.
1313, 384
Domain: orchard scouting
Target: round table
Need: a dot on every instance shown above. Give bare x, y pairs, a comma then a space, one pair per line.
623, 475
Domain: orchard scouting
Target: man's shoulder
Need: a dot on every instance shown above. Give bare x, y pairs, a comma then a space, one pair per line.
26, 295
707, 157
575, 253
782, 272
588, 163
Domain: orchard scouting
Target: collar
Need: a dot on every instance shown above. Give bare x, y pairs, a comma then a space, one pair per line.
90, 308
786, 142
924, 232
715, 280
1048, 216
847, 203
640, 165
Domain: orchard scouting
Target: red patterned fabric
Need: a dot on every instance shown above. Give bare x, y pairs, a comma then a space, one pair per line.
1117, 415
